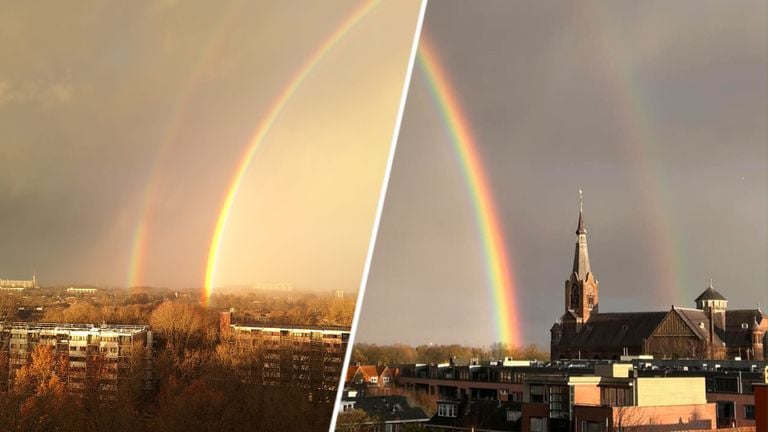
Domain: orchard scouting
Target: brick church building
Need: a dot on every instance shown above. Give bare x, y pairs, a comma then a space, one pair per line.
711, 330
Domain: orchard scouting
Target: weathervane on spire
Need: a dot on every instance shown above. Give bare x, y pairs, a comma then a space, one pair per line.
710, 283
581, 200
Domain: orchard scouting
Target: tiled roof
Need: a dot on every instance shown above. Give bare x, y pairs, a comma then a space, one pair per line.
480, 415
617, 329
710, 294
390, 408
736, 332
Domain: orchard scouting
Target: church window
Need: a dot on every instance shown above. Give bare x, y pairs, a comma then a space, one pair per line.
574, 298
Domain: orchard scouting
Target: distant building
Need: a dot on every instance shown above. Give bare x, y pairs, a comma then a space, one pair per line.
122, 353
273, 286
18, 285
708, 331
308, 357
81, 291
339, 294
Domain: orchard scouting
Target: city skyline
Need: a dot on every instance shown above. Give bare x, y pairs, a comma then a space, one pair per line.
659, 116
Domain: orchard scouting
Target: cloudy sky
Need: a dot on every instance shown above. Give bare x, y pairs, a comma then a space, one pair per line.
657, 112
115, 114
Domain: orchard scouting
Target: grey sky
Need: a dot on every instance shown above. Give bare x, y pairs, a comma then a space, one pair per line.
99, 99
656, 109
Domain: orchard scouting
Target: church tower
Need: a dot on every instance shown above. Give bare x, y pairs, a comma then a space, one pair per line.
581, 288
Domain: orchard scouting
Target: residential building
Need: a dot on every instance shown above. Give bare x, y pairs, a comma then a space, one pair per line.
473, 381
99, 357
308, 357
385, 413
476, 415
81, 290
558, 395
371, 376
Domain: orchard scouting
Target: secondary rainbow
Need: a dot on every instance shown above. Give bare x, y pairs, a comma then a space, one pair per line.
206, 56
263, 129
639, 138
497, 258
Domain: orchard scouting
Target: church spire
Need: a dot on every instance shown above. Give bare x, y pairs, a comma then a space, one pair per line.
581, 257
581, 229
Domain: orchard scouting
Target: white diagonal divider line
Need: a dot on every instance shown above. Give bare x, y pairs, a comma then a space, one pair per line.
377, 219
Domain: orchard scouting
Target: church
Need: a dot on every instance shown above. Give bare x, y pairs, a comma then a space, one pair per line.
710, 330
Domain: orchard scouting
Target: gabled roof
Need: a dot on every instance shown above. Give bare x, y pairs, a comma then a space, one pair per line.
710, 294
697, 320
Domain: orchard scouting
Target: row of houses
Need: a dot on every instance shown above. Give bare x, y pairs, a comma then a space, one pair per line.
589, 396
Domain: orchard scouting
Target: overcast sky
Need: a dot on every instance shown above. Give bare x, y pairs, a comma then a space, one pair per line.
656, 109
103, 103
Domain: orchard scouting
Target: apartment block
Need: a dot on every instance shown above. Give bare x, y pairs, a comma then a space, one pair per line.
308, 357
88, 357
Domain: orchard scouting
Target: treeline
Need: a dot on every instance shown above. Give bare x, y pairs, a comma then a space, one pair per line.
396, 354
123, 307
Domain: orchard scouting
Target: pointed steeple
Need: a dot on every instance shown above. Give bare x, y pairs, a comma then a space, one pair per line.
581, 229
581, 256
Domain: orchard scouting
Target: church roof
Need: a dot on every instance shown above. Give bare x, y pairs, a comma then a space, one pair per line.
581, 265
738, 326
710, 294
626, 329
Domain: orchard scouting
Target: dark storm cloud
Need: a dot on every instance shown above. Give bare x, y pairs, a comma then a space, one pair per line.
659, 114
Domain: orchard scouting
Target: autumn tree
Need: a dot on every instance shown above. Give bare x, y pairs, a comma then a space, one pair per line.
45, 403
355, 420
181, 325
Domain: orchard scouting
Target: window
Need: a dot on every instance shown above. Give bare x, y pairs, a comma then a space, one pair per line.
513, 416
374, 379
537, 393
538, 424
749, 412
726, 385
616, 396
446, 410
558, 401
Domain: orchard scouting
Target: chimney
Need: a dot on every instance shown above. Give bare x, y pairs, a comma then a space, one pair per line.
225, 321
